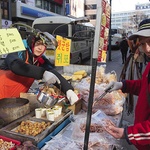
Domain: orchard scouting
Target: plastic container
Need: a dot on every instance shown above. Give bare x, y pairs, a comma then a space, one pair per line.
11, 140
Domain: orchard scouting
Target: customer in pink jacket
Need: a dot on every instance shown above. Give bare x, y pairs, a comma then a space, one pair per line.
139, 133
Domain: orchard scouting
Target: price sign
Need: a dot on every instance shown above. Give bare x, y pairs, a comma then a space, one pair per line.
10, 41
62, 55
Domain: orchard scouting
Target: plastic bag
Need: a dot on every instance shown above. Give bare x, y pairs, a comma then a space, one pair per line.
98, 136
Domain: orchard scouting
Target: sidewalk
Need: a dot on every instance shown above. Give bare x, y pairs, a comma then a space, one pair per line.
116, 65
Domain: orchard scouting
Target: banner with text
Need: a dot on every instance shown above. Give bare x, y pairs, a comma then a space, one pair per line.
62, 54
105, 24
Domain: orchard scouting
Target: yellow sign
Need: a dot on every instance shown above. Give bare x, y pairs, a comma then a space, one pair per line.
10, 41
62, 55
104, 54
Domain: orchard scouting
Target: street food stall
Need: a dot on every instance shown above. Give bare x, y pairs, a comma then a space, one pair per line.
42, 126
43, 116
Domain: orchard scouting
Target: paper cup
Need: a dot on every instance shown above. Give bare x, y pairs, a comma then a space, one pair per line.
48, 110
56, 112
51, 116
59, 109
38, 112
43, 112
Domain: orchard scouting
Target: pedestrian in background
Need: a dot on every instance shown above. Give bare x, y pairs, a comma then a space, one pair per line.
124, 49
139, 133
139, 60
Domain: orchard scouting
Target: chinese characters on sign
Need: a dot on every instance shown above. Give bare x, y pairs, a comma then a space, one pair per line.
105, 23
10, 41
62, 55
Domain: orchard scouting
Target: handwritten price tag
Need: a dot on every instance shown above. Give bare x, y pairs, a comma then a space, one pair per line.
62, 55
10, 41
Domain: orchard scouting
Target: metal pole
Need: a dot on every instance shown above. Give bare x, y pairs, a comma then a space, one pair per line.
109, 47
93, 74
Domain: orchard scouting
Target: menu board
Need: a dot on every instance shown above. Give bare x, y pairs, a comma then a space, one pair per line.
10, 41
105, 24
62, 55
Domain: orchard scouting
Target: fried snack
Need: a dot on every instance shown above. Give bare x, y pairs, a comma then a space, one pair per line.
67, 77
76, 77
5, 145
52, 91
32, 128
81, 72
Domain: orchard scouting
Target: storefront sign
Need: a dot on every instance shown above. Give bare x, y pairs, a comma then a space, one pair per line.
59, 1
34, 13
62, 55
10, 41
6, 23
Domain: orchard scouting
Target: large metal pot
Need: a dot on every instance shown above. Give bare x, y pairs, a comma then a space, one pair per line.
13, 108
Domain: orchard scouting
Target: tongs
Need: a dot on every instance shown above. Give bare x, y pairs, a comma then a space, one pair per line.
102, 95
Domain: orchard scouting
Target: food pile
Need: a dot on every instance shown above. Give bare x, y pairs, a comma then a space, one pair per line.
54, 91
111, 103
98, 139
78, 75
6, 145
32, 128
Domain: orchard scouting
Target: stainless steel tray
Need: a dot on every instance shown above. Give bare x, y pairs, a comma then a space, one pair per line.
9, 129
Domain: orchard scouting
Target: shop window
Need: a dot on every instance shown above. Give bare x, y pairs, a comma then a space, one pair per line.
46, 5
38, 3
91, 16
90, 7
58, 9
52, 8
4, 10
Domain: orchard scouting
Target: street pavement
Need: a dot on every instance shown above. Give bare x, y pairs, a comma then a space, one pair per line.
116, 65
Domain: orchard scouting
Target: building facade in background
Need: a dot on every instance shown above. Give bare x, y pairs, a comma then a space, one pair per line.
128, 19
74, 8
25, 11
90, 10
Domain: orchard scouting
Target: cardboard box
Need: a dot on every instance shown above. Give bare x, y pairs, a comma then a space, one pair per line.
76, 108
33, 102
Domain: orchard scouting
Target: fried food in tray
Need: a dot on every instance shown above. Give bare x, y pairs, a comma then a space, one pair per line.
31, 128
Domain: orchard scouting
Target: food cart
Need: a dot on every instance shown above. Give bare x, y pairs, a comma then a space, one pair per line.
69, 114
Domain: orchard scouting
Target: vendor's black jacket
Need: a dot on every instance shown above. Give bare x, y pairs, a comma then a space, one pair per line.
21, 63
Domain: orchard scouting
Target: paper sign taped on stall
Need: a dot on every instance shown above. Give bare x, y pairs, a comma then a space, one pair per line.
10, 41
62, 55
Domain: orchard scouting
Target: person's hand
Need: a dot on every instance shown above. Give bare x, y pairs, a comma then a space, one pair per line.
72, 96
50, 78
116, 132
112, 86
